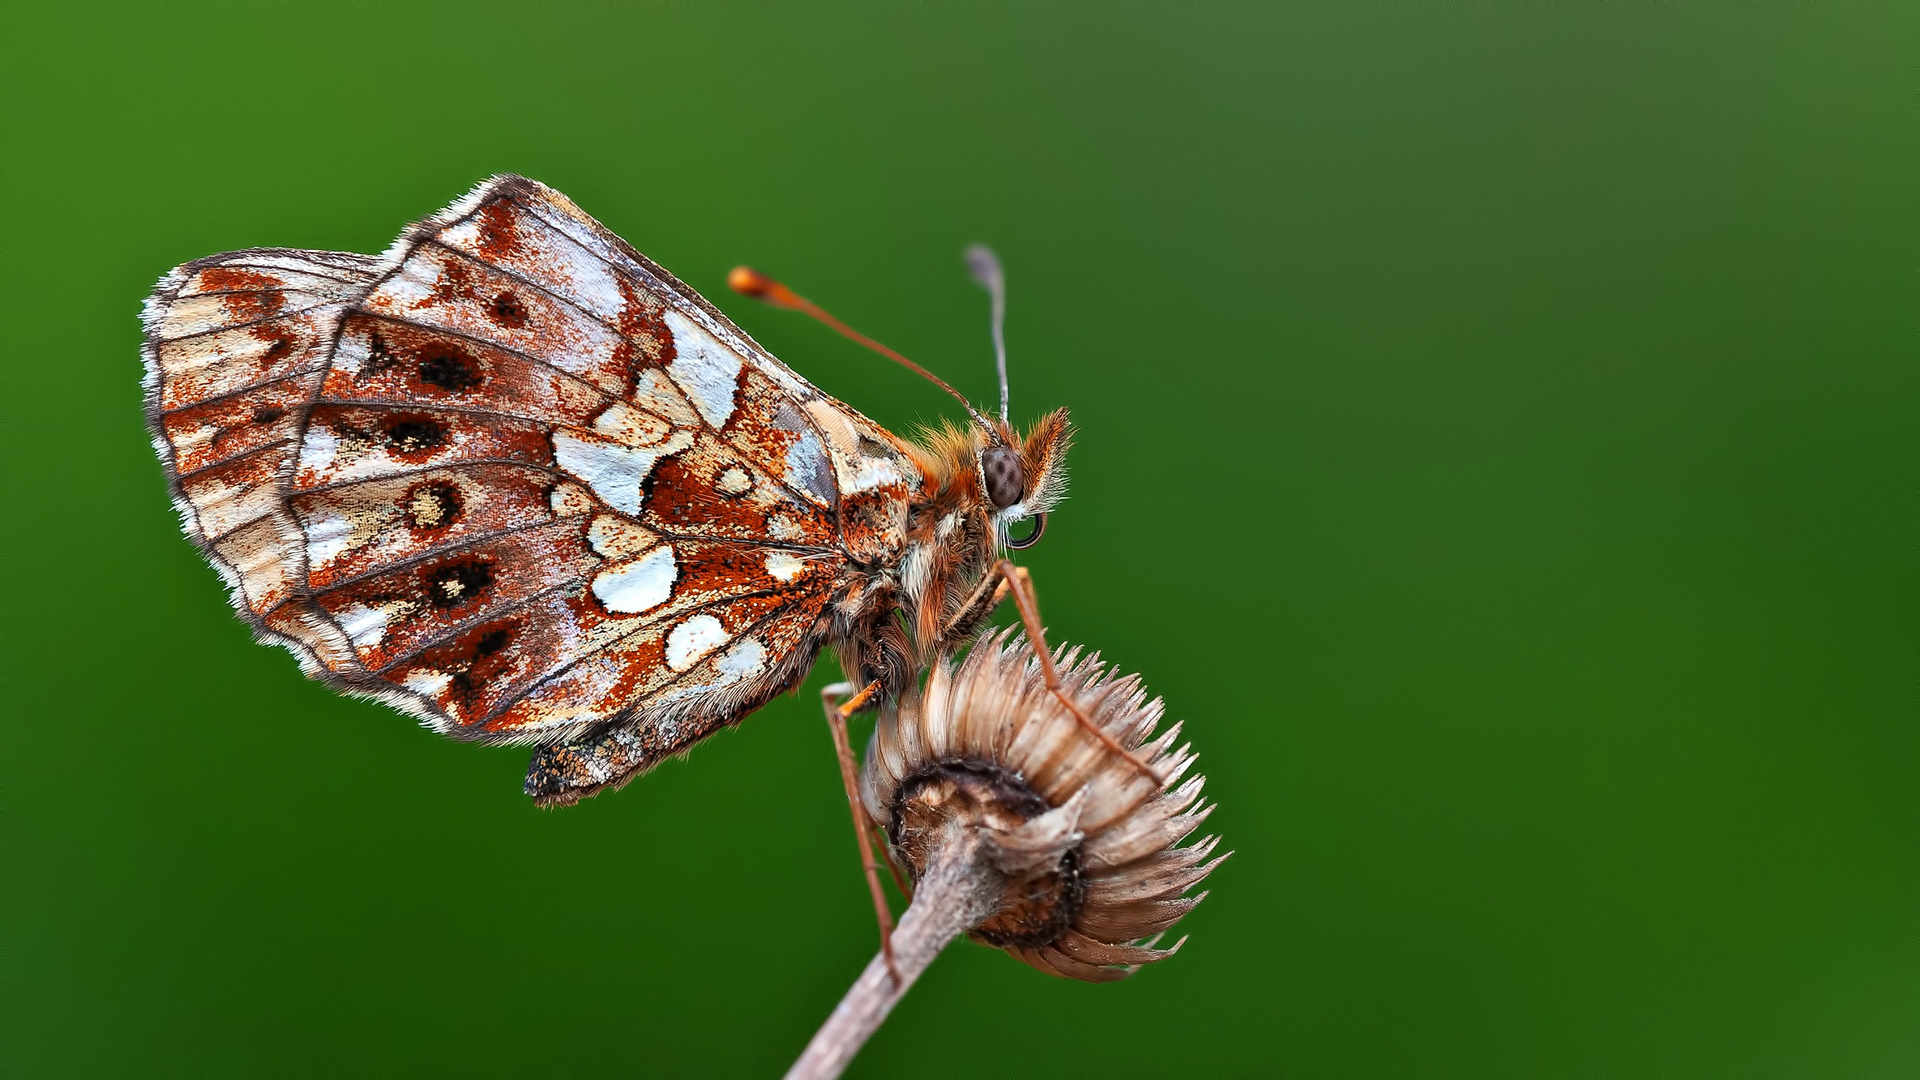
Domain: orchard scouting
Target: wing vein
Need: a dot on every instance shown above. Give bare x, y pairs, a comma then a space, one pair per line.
490, 344
440, 551
460, 628
418, 470
247, 389
737, 449
521, 693
183, 477
290, 312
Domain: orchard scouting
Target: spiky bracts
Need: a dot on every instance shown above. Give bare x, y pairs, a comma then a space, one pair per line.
1088, 846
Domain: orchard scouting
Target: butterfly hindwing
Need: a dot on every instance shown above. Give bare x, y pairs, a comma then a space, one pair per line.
236, 347
511, 476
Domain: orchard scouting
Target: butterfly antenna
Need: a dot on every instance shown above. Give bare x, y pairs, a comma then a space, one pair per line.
747, 281
985, 267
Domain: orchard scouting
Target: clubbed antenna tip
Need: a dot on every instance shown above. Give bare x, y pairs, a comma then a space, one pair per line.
984, 265
747, 281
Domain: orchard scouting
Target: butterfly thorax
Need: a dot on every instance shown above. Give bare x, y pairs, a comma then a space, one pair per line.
951, 540
939, 591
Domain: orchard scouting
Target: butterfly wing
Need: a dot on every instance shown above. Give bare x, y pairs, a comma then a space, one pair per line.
512, 477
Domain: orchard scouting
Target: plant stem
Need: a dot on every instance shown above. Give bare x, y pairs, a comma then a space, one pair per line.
959, 891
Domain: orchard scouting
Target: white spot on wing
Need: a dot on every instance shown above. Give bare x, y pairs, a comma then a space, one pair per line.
614, 472
783, 566
364, 626
335, 530
351, 355
746, 659
640, 585
185, 442
427, 682
569, 499
318, 448
623, 423
734, 481
838, 428
807, 467
327, 537
705, 369
870, 472
692, 640
657, 394
618, 539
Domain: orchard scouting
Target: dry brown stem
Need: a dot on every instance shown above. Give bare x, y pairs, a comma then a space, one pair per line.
959, 891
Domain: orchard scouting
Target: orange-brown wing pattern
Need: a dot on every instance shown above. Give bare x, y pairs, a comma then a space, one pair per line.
510, 476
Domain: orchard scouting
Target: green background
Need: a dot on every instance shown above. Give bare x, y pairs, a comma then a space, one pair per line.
1495, 442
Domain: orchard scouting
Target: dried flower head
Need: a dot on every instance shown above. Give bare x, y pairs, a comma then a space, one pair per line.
1086, 843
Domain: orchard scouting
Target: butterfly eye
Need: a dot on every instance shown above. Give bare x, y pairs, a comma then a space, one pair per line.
1032, 538
1006, 481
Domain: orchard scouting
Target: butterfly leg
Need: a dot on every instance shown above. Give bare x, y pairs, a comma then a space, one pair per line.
905, 886
1020, 587
1005, 586
981, 601
837, 713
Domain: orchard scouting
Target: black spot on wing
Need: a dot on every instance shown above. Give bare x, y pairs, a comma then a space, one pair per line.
457, 584
433, 505
448, 367
415, 436
491, 642
507, 310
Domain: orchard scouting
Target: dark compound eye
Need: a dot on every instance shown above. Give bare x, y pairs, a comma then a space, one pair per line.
1006, 481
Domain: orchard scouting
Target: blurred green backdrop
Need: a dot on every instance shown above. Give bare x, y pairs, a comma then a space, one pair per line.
1496, 442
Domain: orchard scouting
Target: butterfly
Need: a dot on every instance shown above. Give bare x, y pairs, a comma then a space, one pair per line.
516, 480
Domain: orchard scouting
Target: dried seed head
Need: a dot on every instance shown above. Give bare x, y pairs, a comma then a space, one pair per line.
1086, 844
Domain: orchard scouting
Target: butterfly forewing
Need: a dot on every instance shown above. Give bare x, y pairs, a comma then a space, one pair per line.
511, 476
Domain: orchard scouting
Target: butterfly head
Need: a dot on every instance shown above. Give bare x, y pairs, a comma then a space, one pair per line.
1022, 478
